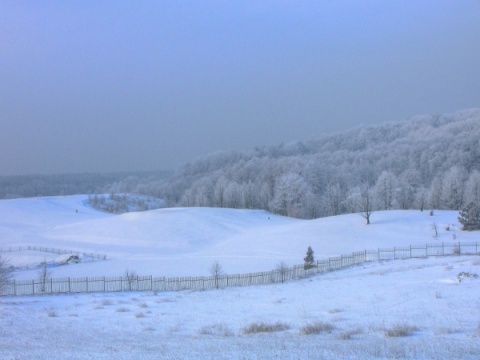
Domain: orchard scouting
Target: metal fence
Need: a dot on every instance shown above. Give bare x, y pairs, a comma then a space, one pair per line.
149, 283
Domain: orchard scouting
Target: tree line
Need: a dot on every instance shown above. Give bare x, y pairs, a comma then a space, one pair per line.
427, 162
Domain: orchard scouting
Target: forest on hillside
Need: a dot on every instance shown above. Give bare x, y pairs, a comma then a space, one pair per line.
426, 162
24, 186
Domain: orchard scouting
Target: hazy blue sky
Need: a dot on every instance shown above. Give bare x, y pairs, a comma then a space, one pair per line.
140, 85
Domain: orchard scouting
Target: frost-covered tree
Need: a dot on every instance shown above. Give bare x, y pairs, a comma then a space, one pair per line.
435, 193
219, 192
333, 198
233, 195
289, 195
408, 183
469, 217
421, 196
452, 188
385, 190
472, 188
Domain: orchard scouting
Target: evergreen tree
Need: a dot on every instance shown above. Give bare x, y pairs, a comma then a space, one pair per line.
309, 259
470, 217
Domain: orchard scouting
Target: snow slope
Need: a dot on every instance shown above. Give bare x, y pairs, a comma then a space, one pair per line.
361, 309
185, 241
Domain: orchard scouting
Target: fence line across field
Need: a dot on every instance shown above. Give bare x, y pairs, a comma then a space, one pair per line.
149, 283
51, 251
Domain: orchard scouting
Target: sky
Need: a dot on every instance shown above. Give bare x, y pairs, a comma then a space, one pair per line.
101, 86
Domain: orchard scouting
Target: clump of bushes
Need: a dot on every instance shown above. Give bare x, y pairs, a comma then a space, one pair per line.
316, 327
400, 330
262, 327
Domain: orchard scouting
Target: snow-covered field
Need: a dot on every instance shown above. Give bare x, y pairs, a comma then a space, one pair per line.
415, 309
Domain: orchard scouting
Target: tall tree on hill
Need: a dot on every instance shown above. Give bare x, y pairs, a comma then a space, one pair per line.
452, 187
365, 202
385, 190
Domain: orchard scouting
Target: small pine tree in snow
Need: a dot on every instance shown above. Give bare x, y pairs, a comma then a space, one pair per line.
470, 217
309, 258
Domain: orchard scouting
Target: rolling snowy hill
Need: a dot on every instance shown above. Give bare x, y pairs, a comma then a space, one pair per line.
185, 241
408, 309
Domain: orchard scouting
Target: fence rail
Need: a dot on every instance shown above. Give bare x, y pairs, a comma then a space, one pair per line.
149, 283
92, 256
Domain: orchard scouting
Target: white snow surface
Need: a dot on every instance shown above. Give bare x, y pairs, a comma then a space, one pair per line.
360, 305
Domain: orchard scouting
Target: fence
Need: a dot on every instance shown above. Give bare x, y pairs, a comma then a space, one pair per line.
149, 283
91, 256
86, 256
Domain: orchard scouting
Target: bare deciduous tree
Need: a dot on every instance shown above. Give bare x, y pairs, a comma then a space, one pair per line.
216, 271
131, 277
282, 269
365, 204
43, 275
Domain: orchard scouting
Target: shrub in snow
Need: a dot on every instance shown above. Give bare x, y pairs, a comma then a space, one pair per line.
67, 259
216, 330
262, 327
349, 334
466, 275
400, 330
316, 328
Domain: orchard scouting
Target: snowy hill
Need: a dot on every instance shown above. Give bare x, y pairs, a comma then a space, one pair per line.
185, 241
409, 309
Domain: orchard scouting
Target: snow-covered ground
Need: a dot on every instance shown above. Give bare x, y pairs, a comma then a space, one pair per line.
358, 312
